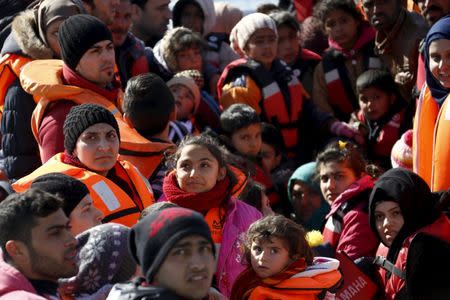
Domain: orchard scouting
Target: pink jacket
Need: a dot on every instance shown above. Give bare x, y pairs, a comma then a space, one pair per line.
351, 232
13, 285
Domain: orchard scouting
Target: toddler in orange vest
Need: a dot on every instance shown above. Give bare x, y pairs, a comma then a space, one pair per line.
281, 264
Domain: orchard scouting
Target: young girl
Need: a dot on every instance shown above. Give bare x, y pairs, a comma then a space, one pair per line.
351, 42
405, 215
201, 181
265, 83
346, 186
281, 264
381, 117
431, 126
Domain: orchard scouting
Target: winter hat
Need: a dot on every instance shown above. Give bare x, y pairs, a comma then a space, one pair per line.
189, 83
207, 8
175, 40
79, 33
69, 189
103, 259
401, 154
196, 75
152, 238
237, 116
80, 118
244, 29
305, 173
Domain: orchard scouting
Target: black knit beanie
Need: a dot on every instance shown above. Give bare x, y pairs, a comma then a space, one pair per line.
69, 189
77, 34
80, 118
237, 116
152, 238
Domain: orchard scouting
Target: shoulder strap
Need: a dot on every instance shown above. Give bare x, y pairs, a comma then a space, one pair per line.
390, 267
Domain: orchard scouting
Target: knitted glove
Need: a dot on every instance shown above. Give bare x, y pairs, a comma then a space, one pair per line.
343, 129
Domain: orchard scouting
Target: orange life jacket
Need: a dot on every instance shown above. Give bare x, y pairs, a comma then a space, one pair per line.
431, 146
283, 113
295, 288
42, 78
115, 204
10, 68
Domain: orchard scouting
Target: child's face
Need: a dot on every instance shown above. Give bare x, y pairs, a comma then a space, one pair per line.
270, 158
288, 44
184, 101
375, 103
269, 258
198, 170
388, 220
188, 269
189, 59
342, 28
262, 46
247, 140
192, 18
439, 57
335, 178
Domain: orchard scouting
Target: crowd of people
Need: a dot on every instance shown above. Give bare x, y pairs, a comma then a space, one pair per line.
189, 150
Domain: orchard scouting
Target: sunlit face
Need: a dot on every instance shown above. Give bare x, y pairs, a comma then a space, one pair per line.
388, 220
97, 64
84, 216
342, 28
262, 46
153, 18
184, 101
270, 158
104, 10
52, 37
97, 148
269, 258
382, 14
335, 178
189, 59
375, 103
247, 140
439, 61
188, 269
52, 251
433, 10
192, 17
198, 170
121, 24
288, 44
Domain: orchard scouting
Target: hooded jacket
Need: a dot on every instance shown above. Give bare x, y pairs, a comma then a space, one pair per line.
424, 228
207, 7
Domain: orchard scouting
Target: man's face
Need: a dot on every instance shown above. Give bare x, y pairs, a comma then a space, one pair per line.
84, 216
153, 18
122, 22
382, 14
433, 10
97, 64
52, 251
188, 268
104, 10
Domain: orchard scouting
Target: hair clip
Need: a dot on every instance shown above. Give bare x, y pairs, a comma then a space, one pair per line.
342, 145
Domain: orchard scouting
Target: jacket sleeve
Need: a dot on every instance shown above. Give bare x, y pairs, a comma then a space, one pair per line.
20, 149
51, 137
320, 94
241, 89
357, 238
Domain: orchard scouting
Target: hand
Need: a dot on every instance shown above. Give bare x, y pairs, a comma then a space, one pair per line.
343, 129
215, 295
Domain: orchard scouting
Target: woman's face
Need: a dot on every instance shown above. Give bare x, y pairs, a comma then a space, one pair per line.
439, 61
52, 37
97, 148
388, 220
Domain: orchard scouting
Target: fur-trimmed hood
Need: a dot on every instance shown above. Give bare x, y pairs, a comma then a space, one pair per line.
25, 33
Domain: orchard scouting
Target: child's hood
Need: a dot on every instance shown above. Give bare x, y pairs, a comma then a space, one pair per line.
209, 12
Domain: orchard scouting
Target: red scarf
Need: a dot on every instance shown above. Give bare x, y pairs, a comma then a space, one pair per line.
73, 78
200, 202
366, 35
248, 280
